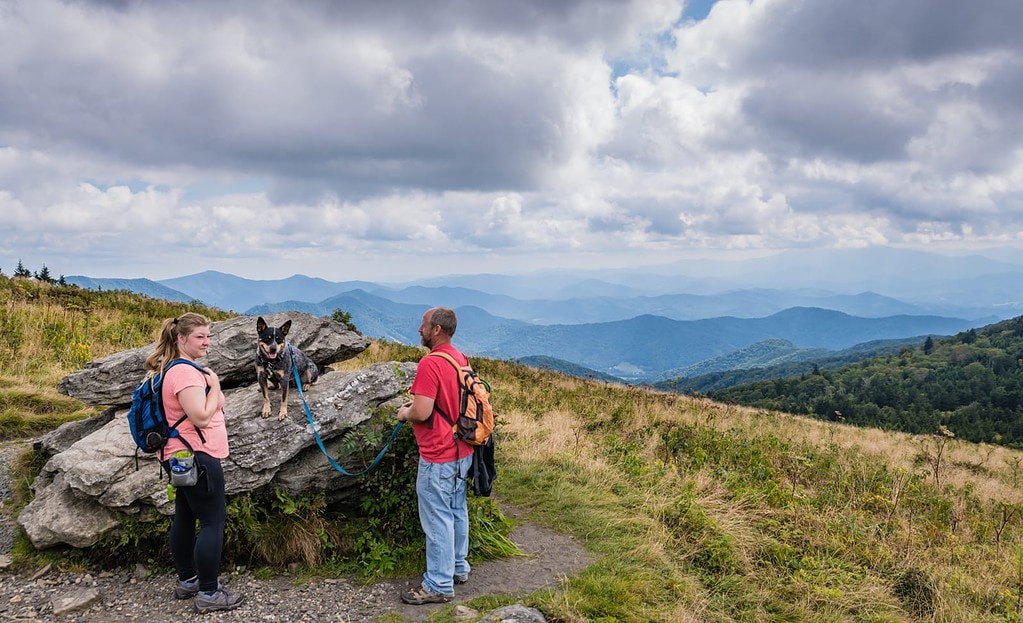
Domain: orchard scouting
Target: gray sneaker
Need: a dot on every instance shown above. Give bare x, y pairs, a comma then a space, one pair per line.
220, 600
186, 589
461, 579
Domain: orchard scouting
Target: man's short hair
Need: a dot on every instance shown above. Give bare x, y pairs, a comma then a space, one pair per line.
445, 319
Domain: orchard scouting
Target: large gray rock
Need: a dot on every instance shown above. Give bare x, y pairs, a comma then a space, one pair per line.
94, 479
89, 488
61, 438
58, 514
232, 354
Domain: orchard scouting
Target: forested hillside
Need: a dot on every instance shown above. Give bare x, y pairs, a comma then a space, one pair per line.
971, 383
773, 359
566, 367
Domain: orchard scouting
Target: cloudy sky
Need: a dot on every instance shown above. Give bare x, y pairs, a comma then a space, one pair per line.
387, 139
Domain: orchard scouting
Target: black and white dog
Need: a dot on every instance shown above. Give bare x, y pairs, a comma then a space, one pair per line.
275, 362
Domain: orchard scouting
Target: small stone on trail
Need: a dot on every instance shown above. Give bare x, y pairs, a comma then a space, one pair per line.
74, 601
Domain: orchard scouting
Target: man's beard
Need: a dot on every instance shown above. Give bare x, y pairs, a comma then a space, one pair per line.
426, 341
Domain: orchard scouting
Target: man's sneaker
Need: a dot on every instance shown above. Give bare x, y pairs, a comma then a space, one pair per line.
461, 579
220, 600
186, 589
418, 596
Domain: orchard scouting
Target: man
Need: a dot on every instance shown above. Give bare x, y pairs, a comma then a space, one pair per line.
443, 463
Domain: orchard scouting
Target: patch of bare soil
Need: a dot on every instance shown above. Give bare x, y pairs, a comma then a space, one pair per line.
550, 557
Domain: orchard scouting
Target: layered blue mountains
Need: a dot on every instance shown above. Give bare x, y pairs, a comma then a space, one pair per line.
653, 324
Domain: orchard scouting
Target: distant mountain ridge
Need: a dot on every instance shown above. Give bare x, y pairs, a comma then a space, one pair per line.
640, 325
860, 282
642, 347
147, 287
229, 292
637, 349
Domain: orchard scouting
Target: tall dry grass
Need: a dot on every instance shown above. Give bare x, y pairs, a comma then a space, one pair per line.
47, 332
824, 522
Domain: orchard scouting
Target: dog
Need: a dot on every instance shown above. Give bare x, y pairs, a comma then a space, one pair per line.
276, 361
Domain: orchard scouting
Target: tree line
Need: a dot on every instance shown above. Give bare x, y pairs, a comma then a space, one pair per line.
970, 383
43, 274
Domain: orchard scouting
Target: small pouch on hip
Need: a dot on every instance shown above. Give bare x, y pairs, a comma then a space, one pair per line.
183, 470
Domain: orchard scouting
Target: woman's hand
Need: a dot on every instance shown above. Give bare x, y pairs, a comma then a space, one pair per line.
212, 379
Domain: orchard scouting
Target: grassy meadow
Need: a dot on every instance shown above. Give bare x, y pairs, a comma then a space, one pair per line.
693, 511
47, 332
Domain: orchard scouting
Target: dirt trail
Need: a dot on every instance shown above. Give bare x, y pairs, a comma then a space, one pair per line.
124, 596
121, 596
550, 558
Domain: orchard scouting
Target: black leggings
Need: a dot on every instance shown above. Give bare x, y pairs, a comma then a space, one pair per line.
199, 555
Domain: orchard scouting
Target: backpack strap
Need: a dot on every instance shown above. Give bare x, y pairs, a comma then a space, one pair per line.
458, 377
457, 366
174, 426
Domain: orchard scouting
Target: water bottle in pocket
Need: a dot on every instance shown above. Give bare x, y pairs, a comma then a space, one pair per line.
183, 470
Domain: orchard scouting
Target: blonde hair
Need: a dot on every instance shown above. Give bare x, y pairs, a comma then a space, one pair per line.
167, 346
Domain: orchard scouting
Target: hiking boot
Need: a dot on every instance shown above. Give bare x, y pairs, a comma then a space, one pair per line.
220, 600
418, 596
186, 589
461, 579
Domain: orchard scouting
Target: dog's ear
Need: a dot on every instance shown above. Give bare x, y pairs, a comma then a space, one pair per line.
286, 327
260, 324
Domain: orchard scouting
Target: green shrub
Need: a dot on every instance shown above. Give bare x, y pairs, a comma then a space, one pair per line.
916, 591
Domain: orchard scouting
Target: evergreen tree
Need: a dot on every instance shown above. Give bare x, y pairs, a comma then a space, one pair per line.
344, 318
21, 271
928, 345
44, 274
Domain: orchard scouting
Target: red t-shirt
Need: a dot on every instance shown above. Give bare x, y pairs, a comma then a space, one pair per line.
436, 378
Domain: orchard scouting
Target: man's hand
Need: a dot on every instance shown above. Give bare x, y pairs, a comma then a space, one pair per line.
403, 410
418, 410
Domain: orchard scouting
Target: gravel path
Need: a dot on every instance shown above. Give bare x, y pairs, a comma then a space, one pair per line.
129, 595
121, 596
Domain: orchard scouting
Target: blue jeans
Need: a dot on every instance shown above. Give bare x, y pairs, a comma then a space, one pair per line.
444, 516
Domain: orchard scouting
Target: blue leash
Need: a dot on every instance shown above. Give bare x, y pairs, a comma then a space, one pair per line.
319, 442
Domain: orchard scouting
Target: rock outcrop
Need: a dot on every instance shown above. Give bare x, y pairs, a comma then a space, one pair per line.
90, 483
111, 380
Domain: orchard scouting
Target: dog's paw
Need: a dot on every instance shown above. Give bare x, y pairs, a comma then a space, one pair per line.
266, 411
283, 415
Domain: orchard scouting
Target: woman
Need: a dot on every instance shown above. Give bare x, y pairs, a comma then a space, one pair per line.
194, 397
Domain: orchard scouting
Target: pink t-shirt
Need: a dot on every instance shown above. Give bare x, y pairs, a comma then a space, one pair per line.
436, 378
178, 378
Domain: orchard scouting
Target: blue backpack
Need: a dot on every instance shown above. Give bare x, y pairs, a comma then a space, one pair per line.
146, 419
